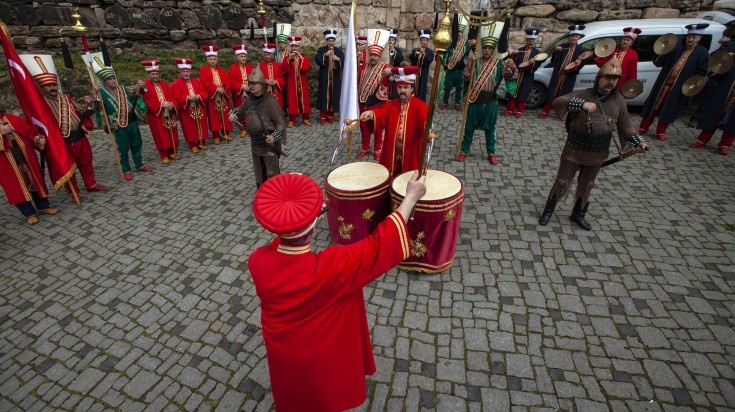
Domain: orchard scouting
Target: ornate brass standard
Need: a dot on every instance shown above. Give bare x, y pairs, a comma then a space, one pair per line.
720, 62
665, 43
442, 41
605, 47
693, 85
632, 89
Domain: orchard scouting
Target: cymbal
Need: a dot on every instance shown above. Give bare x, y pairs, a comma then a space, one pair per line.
571, 66
665, 43
541, 57
527, 64
720, 62
632, 89
605, 47
693, 85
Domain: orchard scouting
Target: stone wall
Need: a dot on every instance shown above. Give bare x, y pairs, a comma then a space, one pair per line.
138, 24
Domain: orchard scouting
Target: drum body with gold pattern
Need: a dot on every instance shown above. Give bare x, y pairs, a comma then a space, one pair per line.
434, 230
358, 199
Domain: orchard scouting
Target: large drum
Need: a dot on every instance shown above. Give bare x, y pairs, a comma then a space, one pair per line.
434, 230
358, 199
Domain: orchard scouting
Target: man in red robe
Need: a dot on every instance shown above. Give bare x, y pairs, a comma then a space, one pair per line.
627, 56
20, 176
161, 113
239, 73
403, 118
74, 121
373, 88
294, 70
312, 307
191, 98
217, 84
272, 71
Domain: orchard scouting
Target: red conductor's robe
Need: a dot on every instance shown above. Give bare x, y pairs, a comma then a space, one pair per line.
402, 144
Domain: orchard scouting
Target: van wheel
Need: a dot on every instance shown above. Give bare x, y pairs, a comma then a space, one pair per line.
537, 96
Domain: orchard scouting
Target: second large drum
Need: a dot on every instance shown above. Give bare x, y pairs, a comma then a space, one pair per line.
358, 199
434, 230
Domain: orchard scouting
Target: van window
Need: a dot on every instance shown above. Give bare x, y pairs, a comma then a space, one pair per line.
549, 49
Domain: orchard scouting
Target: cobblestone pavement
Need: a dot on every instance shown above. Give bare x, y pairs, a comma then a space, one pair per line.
140, 299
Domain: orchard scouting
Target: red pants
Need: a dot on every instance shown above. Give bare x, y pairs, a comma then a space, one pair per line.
366, 129
725, 141
646, 123
326, 114
293, 117
81, 152
512, 102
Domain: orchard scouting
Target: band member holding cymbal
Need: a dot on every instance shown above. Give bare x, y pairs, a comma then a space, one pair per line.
524, 60
627, 56
562, 81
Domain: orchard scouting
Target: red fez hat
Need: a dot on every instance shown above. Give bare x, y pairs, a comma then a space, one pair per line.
362, 39
44, 79
404, 74
184, 63
240, 49
151, 65
294, 39
269, 48
288, 204
631, 32
210, 50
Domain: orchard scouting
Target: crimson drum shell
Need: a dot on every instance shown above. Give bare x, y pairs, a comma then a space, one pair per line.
358, 199
434, 230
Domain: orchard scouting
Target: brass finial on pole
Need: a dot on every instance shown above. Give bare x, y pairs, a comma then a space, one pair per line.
261, 12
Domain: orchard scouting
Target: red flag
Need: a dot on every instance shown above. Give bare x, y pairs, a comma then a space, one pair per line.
61, 167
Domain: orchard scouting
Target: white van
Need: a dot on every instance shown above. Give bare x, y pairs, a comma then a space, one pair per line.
651, 30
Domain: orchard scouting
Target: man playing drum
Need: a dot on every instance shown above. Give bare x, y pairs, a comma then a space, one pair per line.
403, 119
315, 329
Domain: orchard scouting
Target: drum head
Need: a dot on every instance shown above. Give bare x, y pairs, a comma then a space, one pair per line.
439, 185
541, 57
358, 176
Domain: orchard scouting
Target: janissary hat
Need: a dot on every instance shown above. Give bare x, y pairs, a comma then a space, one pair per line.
269, 48
240, 49
41, 67
631, 32
377, 39
362, 39
151, 65
283, 30
404, 74
210, 50
294, 40
105, 73
490, 34
288, 204
611, 68
532, 33
393, 33
461, 22
696, 28
330, 34
424, 34
576, 29
184, 63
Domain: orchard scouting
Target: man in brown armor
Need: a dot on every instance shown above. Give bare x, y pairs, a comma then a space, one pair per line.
592, 114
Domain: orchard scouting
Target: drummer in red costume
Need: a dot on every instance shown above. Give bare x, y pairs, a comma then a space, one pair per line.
75, 121
403, 119
312, 307
20, 176
239, 73
273, 74
294, 69
217, 84
161, 114
191, 98
627, 56
373, 88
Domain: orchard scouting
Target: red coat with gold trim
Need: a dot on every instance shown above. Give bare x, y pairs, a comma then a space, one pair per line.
380, 86
156, 111
297, 88
237, 80
11, 177
206, 76
386, 116
188, 122
272, 71
314, 319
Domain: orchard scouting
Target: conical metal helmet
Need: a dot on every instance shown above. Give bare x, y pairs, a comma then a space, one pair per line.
256, 76
611, 68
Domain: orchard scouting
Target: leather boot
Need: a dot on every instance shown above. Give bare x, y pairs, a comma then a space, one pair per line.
548, 211
578, 215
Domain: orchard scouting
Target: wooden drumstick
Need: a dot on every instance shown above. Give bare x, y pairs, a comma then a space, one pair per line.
349, 122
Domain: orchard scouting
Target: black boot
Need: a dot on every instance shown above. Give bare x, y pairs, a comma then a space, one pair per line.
548, 211
578, 215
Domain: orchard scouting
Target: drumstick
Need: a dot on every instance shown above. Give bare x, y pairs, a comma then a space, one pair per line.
349, 122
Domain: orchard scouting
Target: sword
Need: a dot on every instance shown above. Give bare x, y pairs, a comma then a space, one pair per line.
620, 157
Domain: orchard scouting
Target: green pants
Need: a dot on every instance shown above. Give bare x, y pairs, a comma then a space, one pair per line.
510, 88
453, 80
483, 117
128, 139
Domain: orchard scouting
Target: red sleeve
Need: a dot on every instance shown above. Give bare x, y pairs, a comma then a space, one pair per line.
285, 67
360, 263
205, 76
22, 129
151, 98
633, 67
200, 89
235, 77
305, 64
226, 83
380, 116
279, 76
179, 94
